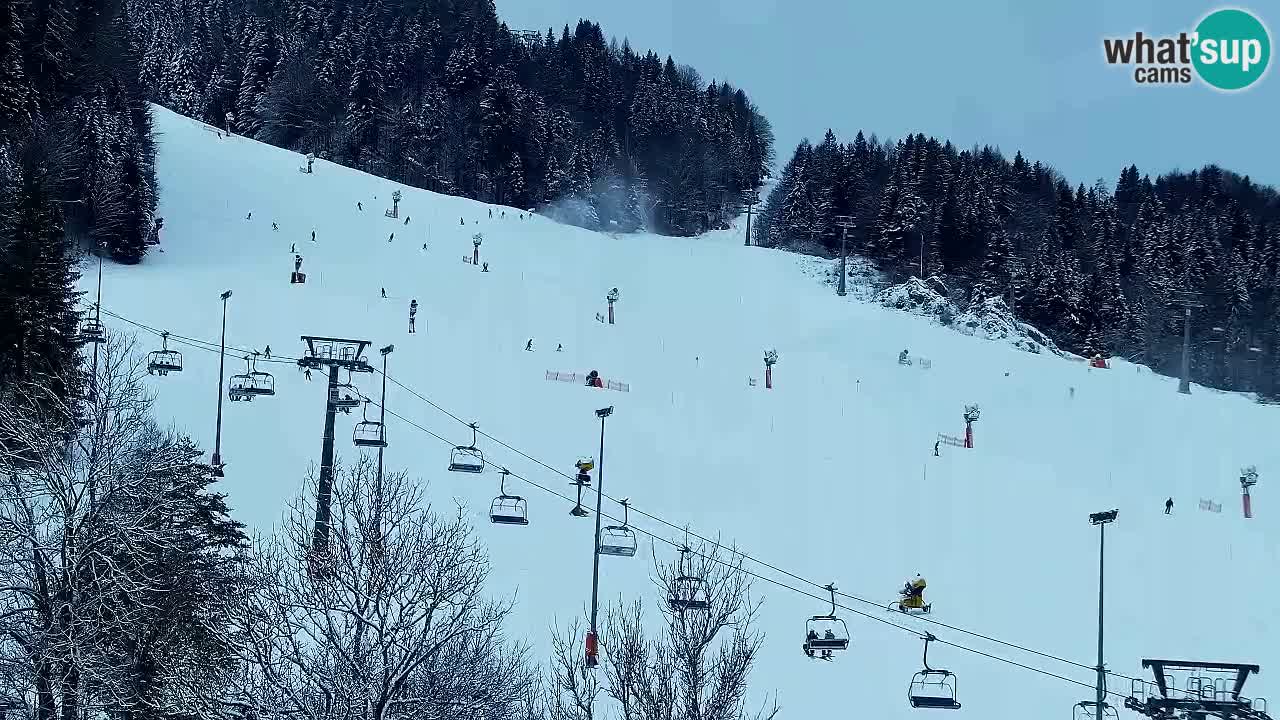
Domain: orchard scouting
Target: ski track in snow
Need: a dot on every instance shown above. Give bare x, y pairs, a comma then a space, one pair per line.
829, 475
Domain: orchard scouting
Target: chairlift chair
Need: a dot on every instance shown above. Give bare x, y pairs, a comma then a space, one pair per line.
164, 361
467, 458
688, 592
508, 509
369, 433
1089, 710
826, 634
251, 383
345, 396
618, 540
932, 689
91, 331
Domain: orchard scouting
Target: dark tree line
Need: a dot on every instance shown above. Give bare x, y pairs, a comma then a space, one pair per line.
1099, 270
76, 170
440, 94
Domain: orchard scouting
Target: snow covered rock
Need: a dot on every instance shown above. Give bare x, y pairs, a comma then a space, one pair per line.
918, 297
988, 318
992, 319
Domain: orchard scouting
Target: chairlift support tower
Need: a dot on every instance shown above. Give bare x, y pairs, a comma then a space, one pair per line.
335, 354
844, 222
1187, 301
1211, 689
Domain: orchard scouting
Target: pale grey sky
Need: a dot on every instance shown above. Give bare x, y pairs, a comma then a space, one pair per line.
1020, 74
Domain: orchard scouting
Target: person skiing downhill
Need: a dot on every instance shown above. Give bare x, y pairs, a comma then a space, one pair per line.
384, 293
313, 236
559, 347
1168, 506
267, 352
293, 247
413, 311
249, 216
391, 237
529, 345
406, 219
359, 206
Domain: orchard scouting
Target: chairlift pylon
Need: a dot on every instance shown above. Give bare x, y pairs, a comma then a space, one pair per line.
618, 540
688, 592
508, 509
825, 634
467, 458
252, 383
369, 433
164, 361
932, 689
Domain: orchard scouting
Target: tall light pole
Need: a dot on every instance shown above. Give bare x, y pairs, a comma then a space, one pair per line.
222, 356
592, 635
377, 517
1101, 519
97, 321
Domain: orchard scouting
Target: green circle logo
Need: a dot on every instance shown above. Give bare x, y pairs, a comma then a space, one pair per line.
1232, 49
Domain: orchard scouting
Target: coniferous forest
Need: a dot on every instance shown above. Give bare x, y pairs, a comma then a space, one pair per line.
76, 169
1100, 270
442, 95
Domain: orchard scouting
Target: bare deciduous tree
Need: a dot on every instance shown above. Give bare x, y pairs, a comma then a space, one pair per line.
396, 628
695, 668
103, 569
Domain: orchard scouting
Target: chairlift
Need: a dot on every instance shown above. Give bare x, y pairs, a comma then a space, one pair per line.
369, 433
618, 540
1092, 710
164, 361
467, 458
345, 396
688, 592
91, 331
252, 383
508, 509
933, 689
825, 634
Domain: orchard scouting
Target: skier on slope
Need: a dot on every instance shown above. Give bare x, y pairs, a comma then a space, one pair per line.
1168, 506
384, 293
267, 352
391, 237
297, 263
293, 248
406, 219
413, 311
313, 236
529, 345
359, 206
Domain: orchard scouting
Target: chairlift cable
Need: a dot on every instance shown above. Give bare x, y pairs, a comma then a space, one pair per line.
215, 348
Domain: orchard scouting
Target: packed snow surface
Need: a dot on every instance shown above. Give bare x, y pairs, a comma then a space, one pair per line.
829, 475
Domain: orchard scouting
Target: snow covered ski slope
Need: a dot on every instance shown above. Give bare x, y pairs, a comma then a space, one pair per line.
830, 475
